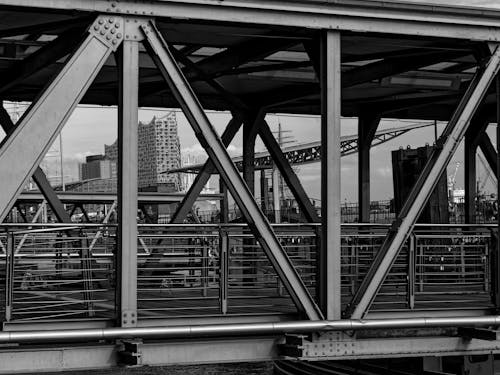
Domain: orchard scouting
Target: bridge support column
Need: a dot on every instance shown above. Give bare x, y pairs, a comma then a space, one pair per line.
329, 257
470, 175
128, 182
404, 224
217, 152
367, 127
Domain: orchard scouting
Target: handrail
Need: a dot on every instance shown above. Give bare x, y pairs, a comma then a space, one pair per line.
214, 330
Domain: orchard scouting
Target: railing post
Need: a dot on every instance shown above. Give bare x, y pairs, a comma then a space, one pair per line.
224, 269
411, 272
9, 277
204, 268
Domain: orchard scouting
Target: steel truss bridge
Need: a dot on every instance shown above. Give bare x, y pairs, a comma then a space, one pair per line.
96, 295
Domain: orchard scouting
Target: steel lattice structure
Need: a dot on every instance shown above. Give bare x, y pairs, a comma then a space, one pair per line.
178, 293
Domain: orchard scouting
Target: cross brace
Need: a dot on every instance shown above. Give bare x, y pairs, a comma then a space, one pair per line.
402, 227
217, 152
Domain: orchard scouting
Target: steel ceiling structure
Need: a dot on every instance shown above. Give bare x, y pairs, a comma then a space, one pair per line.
365, 59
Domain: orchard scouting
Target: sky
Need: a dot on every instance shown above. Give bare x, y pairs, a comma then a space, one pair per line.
89, 128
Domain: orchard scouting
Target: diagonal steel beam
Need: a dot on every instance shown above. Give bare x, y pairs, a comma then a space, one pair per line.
489, 151
204, 175
207, 136
27, 144
39, 176
403, 225
288, 174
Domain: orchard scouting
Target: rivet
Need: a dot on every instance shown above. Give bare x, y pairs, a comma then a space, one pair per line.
96, 27
108, 37
111, 20
113, 5
117, 25
115, 41
112, 31
106, 26
100, 21
103, 32
119, 35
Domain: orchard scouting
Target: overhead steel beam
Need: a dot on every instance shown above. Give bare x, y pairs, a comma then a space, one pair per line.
234, 57
204, 175
418, 197
217, 152
26, 146
367, 128
39, 176
355, 15
288, 174
396, 65
231, 99
128, 161
367, 73
41, 58
330, 251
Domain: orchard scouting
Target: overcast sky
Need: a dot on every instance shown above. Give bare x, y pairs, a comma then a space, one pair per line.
90, 128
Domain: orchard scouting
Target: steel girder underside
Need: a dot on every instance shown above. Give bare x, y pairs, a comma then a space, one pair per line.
248, 69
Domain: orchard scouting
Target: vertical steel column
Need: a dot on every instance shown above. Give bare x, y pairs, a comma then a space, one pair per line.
367, 127
329, 259
418, 197
470, 175
264, 191
208, 137
127, 182
250, 131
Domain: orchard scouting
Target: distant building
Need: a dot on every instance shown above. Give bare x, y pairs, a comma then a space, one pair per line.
159, 150
97, 167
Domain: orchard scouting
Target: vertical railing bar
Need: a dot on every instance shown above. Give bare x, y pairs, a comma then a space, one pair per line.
411, 272
224, 270
9, 290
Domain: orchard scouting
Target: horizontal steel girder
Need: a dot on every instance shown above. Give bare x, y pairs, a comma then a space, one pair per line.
23, 150
355, 15
218, 154
95, 198
403, 225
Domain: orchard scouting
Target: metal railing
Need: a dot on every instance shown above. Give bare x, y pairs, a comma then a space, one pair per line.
68, 273
59, 273
217, 270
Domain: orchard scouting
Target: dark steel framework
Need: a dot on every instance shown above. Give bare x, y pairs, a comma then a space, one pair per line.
365, 59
